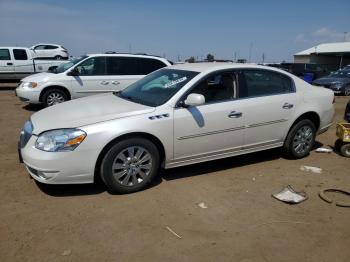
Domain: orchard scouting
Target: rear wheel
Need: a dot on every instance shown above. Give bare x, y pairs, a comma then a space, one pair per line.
300, 139
58, 57
347, 91
130, 165
345, 150
54, 96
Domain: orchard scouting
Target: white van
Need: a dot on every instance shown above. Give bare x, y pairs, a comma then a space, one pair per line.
87, 75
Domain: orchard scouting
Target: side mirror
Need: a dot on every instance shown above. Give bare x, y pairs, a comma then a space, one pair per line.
73, 72
194, 100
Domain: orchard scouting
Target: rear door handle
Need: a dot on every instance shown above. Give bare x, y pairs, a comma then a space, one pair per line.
115, 83
104, 83
9, 63
235, 114
287, 106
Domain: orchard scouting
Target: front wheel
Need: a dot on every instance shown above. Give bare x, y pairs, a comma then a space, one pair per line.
130, 165
300, 139
54, 96
345, 150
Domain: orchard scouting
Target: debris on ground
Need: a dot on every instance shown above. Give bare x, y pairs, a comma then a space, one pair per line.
173, 232
312, 169
66, 252
289, 195
323, 150
202, 205
334, 190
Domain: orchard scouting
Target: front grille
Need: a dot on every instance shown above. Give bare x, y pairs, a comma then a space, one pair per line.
26, 133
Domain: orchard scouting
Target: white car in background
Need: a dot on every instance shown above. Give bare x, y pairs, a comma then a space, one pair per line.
44, 50
175, 116
87, 75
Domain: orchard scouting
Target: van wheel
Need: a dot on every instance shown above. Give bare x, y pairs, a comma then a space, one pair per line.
130, 165
54, 96
300, 139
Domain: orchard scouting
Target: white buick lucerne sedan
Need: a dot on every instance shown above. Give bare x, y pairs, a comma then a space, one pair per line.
175, 116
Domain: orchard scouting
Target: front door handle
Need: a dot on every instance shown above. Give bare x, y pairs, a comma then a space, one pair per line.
287, 106
115, 83
235, 114
9, 63
104, 83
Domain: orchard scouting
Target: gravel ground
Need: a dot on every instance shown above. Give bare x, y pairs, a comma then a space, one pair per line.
242, 222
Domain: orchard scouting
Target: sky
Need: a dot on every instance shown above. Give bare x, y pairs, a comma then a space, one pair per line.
177, 29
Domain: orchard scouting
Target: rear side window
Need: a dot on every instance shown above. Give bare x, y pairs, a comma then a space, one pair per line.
149, 65
132, 65
5, 54
122, 66
264, 83
20, 54
51, 47
39, 47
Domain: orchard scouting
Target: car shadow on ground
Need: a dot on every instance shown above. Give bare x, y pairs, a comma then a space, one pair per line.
33, 107
170, 174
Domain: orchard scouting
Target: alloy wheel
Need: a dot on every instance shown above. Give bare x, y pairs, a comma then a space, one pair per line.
132, 166
302, 141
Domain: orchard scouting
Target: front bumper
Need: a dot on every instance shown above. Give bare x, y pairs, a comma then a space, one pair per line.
28, 95
74, 167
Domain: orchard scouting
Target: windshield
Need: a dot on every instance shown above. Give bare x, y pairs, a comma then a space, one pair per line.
158, 87
63, 67
341, 74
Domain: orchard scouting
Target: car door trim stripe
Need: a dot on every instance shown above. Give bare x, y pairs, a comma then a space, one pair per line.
212, 133
232, 129
267, 123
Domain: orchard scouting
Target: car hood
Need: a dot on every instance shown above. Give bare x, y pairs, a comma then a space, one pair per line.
39, 77
85, 111
331, 80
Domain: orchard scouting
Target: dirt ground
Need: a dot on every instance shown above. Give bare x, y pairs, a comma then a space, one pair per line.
242, 222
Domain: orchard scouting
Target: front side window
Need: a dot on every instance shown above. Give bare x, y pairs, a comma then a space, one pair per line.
63, 67
94, 66
264, 83
5, 54
20, 54
158, 87
217, 87
39, 47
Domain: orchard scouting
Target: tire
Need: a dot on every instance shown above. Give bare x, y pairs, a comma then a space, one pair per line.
121, 169
337, 145
54, 96
347, 90
58, 57
300, 139
345, 150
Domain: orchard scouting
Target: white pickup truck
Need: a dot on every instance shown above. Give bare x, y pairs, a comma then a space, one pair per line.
18, 62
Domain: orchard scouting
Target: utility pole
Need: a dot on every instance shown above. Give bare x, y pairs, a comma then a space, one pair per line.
250, 51
263, 58
345, 33
130, 48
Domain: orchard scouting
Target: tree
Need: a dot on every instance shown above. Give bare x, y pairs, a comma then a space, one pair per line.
191, 60
210, 58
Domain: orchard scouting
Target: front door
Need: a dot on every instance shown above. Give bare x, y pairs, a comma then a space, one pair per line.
213, 129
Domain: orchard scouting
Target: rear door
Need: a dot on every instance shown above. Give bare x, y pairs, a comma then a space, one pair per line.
122, 72
6, 63
269, 104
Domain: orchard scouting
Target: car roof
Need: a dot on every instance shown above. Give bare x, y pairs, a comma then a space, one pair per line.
214, 66
46, 44
130, 55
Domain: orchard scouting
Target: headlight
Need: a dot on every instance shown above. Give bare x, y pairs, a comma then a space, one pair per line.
337, 85
60, 140
29, 84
